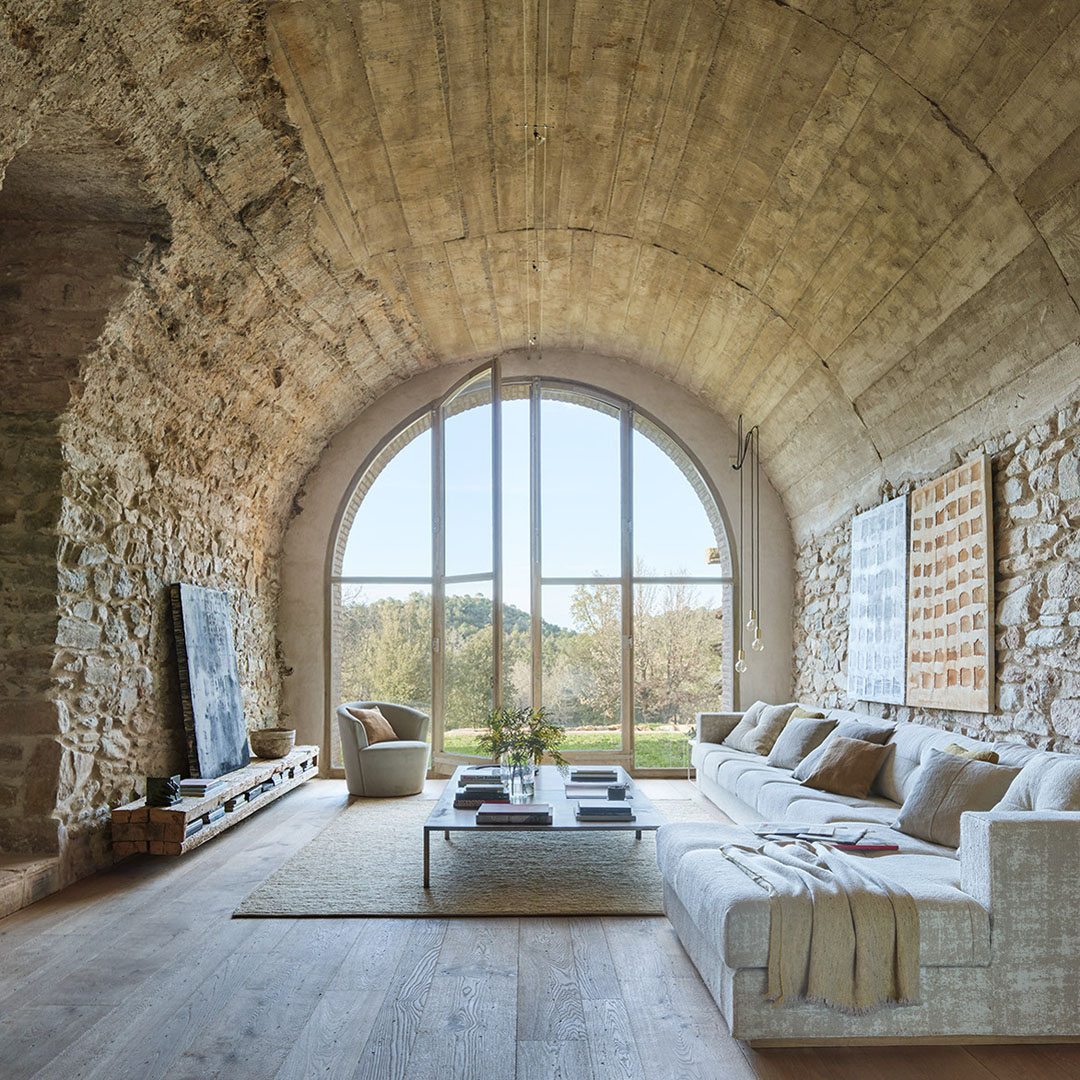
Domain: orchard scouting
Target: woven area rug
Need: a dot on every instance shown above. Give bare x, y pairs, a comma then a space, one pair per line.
369, 861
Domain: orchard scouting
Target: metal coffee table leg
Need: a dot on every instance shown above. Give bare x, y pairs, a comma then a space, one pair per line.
427, 858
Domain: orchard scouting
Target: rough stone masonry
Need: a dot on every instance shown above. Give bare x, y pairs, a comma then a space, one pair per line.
1036, 491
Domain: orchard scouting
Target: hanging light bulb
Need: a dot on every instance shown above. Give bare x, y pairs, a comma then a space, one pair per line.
740, 664
751, 623
757, 644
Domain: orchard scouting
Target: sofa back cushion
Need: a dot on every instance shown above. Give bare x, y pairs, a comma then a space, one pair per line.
758, 729
1046, 782
945, 786
801, 735
913, 744
866, 729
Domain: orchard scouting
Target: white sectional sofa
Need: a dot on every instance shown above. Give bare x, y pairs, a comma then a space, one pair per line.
999, 949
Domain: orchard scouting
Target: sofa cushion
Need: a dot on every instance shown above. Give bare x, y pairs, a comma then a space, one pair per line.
748, 722
759, 727
848, 766
1016, 753
734, 912
714, 760
1046, 782
868, 730
913, 742
946, 786
801, 734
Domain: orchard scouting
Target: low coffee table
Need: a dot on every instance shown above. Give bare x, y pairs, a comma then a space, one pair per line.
550, 788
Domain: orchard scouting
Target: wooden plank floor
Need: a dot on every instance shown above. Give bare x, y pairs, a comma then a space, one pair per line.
141, 972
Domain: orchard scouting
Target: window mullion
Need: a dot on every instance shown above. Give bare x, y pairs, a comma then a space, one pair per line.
438, 583
496, 537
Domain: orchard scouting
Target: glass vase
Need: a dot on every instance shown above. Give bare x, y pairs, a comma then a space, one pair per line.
522, 781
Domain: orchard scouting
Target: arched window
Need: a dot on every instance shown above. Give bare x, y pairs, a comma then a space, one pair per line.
535, 542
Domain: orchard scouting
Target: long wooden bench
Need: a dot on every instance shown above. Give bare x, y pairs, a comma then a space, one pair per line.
176, 829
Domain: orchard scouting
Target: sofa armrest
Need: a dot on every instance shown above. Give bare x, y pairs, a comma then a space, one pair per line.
715, 727
1023, 866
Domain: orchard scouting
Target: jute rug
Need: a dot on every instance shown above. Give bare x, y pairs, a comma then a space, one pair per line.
370, 861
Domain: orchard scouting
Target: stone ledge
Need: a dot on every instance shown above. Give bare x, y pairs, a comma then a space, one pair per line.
25, 879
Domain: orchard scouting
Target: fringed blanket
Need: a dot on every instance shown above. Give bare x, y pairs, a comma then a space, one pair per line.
840, 935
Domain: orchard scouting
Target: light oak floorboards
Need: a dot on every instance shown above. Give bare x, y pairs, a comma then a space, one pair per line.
141, 972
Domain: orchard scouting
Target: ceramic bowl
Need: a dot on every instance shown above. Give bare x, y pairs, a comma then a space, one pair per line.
272, 742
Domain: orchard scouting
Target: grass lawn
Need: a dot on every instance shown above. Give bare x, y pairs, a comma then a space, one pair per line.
652, 749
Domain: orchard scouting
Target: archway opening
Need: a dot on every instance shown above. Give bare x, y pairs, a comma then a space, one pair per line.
533, 541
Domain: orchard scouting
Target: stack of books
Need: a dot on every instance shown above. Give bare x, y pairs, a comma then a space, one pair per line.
473, 794
594, 775
495, 813
199, 788
604, 810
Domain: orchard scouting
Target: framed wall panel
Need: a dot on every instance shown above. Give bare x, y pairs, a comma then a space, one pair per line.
951, 591
877, 619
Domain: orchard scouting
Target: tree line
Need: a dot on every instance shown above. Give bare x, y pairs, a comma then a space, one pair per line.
385, 651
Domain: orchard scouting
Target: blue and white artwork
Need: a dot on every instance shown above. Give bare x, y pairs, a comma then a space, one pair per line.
877, 620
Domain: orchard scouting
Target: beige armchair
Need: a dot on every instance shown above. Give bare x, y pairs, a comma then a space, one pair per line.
385, 768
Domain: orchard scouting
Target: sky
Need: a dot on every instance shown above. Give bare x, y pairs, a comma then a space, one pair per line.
391, 534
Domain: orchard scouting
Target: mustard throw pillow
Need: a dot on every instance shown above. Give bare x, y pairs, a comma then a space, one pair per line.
376, 726
974, 754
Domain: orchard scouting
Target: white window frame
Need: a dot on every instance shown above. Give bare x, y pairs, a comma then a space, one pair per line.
432, 417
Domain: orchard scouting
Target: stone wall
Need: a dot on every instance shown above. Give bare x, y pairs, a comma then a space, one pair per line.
1036, 492
135, 518
30, 469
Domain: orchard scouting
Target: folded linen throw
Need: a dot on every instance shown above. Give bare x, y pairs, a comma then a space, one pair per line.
839, 934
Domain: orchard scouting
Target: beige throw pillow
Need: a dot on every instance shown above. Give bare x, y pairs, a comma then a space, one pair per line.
801, 734
946, 785
758, 736
376, 726
869, 731
848, 766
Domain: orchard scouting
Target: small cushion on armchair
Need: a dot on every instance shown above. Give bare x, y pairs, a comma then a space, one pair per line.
376, 726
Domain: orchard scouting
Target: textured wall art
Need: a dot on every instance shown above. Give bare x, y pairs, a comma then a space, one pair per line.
951, 590
877, 622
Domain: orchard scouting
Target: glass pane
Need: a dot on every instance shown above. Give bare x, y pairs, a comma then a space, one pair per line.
382, 647
672, 530
517, 579
580, 489
467, 659
679, 656
390, 534
467, 441
582, 663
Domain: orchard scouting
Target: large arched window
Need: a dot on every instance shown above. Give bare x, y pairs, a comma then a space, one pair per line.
535, 542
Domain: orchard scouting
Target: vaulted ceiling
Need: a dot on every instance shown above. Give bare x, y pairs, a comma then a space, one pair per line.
853, 223
856, 223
